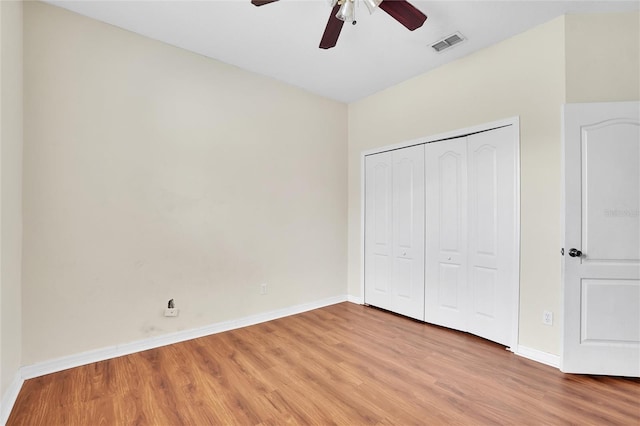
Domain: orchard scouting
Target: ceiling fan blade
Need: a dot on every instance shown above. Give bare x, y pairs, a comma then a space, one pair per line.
261, 2
332, 30
404, 12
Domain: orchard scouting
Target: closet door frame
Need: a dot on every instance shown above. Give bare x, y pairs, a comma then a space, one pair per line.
512, 121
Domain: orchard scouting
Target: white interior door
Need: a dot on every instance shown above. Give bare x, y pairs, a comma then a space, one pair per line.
394, 231
472, 256
446, 301
601, 263
493, 239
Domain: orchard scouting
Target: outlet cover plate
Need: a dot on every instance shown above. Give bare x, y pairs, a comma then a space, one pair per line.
171, 312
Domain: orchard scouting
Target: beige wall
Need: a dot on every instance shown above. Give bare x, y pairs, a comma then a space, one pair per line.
522, 76
10, 191
603, 57
153, 173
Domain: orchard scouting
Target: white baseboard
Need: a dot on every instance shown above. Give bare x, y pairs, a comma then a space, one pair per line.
59, 364
538, 356
9, 398
355, 299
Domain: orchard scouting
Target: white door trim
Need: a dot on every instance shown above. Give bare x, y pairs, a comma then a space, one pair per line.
512, 121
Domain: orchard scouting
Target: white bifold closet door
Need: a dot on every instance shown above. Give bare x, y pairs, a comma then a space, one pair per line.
471, 241
394, 231
446, 301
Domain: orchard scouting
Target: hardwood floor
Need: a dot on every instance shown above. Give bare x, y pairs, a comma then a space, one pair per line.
343, 364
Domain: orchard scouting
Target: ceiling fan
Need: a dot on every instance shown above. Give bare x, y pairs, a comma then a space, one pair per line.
343, 11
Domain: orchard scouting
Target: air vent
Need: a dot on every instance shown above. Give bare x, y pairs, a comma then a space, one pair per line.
447, 42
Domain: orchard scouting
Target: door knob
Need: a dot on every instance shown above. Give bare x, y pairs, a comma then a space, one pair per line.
575, 252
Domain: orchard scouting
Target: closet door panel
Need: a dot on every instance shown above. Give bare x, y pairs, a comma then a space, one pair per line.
492, 239
450, 283
484, 292
484, 204
446, 231
381, 274
378, 230
394, 231
408, 231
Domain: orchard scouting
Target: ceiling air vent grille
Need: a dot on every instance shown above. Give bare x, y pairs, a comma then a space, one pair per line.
447, 42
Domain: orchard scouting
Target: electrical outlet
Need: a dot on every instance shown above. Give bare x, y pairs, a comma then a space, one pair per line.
171, 312
547, 318
263, 289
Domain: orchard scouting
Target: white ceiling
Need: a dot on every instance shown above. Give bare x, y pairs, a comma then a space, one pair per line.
280, 40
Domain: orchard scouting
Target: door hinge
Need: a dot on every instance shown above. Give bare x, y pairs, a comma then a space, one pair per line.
562, 251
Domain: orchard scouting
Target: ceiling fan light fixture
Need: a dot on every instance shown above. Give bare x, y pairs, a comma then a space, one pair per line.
347, 12
344, 11
372, 5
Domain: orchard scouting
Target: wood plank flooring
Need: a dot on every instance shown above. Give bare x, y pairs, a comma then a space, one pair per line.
343, 364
